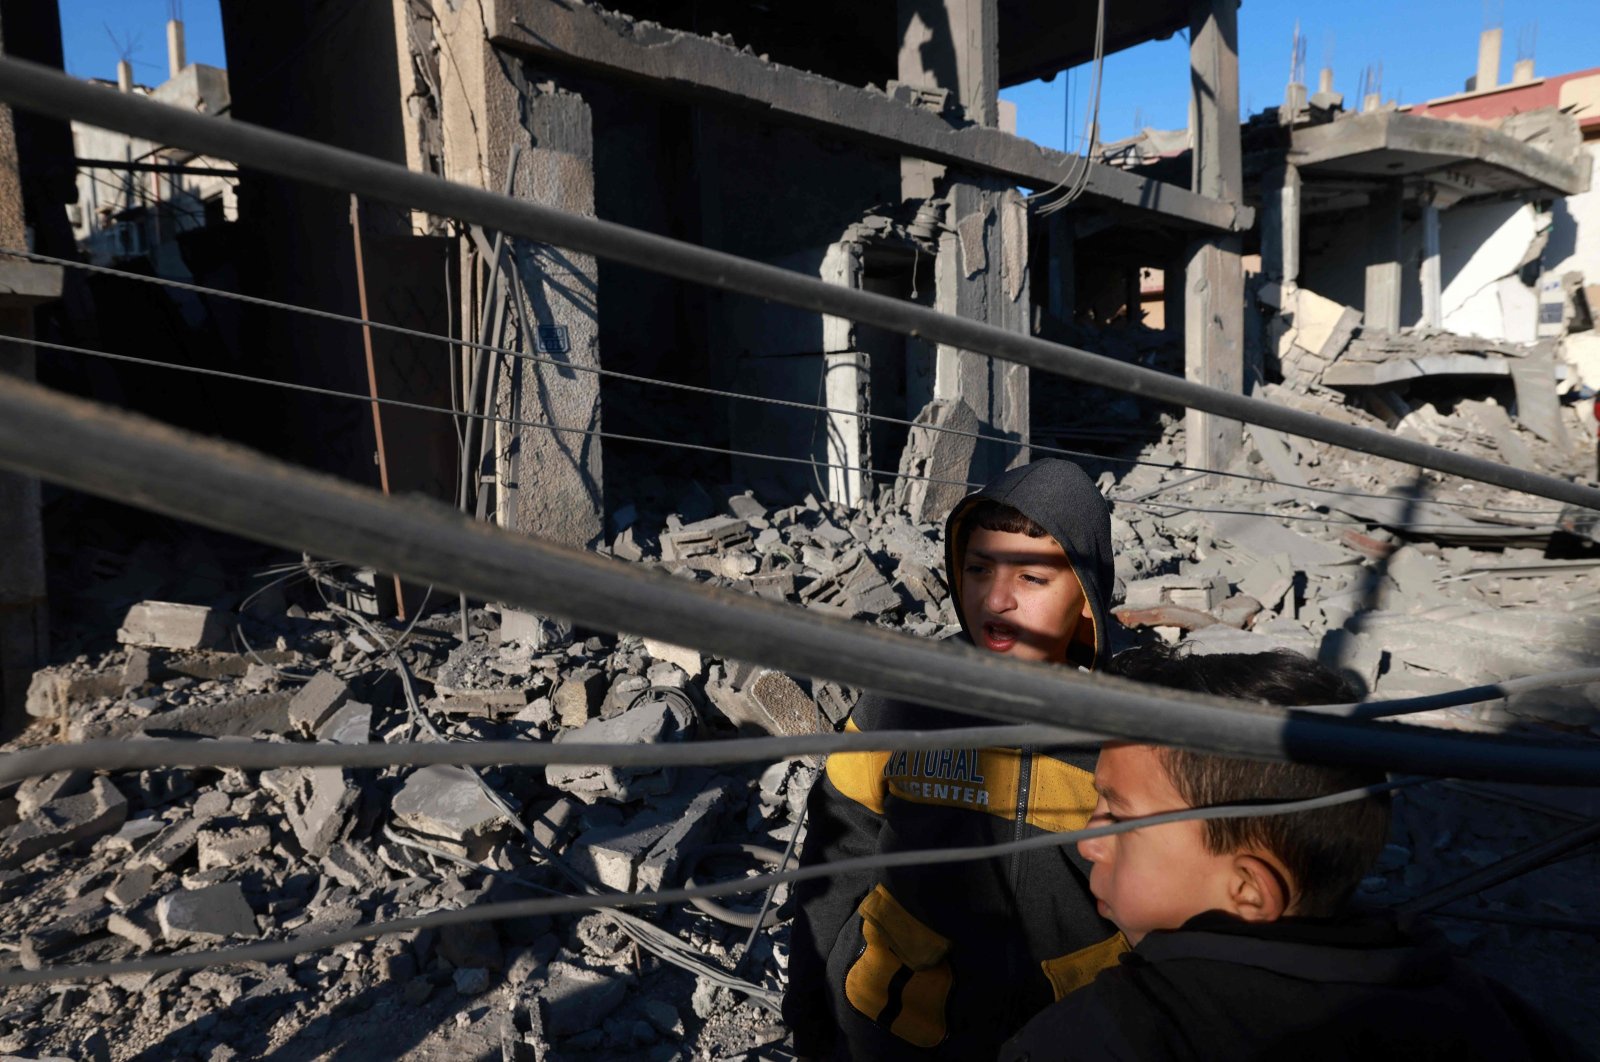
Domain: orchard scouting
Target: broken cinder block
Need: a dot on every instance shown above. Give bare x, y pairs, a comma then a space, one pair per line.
64, 821
169, 625
216, 912
446, 806
317, 700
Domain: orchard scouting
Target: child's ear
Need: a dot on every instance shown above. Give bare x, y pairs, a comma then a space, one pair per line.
1257, 891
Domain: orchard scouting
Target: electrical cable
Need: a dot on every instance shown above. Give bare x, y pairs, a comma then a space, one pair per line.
228, 487
52, 93
735, 395
682, 445
152, 753
277, 951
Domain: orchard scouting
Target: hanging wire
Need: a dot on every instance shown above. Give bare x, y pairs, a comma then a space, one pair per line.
696, 447
738, 396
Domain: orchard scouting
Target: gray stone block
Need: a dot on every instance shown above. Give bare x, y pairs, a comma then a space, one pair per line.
168, 625
223, 848
348, 725
576, 998
317, 802
686, 658
64, 821
578, 698
316, 701
649, 722
688, 830
447, 806
214, 913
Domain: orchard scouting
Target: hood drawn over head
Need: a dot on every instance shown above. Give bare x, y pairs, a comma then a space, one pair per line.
1061, 498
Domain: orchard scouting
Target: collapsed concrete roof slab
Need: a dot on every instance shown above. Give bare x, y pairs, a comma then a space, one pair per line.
1388, 144
697, 69
1377, 373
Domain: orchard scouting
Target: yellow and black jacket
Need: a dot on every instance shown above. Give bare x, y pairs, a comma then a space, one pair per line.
949, 961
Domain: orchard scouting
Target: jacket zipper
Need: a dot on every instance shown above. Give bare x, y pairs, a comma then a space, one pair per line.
1024, 779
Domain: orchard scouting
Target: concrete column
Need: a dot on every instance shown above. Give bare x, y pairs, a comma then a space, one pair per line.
547, 483
982, 269
982, 274
1432, 284
952, 44
24, 615
1280, 223
1488, 76
1062, 291
846, 386
1382, 305
1213, 274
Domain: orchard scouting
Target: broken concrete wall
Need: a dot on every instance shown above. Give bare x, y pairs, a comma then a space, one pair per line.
1575, 236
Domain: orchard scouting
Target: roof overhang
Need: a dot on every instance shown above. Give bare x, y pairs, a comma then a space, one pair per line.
1388, 145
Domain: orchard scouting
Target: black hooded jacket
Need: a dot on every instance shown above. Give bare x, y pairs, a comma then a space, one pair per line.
1317, 990
949, 961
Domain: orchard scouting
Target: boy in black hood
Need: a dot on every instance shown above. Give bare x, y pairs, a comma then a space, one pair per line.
1245, 947
947, 962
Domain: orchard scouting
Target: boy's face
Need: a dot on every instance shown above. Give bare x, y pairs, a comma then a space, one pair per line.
1158, 877
1019, 595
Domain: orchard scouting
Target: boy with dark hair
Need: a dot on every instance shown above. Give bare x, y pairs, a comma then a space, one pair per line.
946, 962
1243, 947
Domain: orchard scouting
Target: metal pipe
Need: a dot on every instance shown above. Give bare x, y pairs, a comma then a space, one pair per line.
133, 459
50, 92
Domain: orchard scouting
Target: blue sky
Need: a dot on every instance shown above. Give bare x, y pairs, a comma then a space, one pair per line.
1427, 48
94, 34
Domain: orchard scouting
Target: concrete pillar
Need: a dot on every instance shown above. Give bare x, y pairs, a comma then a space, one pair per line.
24, 612
846, 386
1432, 289
1382, 305
1488, 61
1213, 273
547, 483
176, 59
952, 44
1325, 80
1062, 289
982, 274
982, 269
1280, 223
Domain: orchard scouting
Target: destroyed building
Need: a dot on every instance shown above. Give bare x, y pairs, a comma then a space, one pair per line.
863, 146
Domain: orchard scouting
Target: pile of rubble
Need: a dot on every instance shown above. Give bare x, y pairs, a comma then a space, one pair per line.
105, 868
1401, 587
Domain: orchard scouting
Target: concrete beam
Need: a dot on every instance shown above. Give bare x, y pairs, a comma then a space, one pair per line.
1213, 274
1433, 144
700, 70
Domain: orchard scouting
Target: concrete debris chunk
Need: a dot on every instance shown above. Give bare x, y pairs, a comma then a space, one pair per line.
224, 848
576, 998
686, 658
1200, 593
133, 885
65, 821
349, 725
317, 700
937, 460
216, 912
692, 828
447, 806
317, 801
578, 698
716, 534
168, 625
33, 793
652, 721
